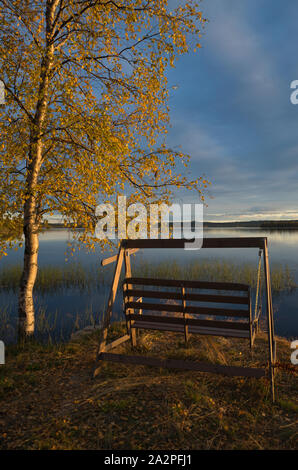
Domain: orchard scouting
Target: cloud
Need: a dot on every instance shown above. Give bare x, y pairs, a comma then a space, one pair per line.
237, 182
232, 110
243, 53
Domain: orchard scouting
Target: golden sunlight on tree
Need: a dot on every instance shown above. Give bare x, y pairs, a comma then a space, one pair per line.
86, 107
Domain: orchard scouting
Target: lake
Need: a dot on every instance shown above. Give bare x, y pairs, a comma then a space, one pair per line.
62, 310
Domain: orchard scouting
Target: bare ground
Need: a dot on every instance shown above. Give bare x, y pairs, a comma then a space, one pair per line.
49, 399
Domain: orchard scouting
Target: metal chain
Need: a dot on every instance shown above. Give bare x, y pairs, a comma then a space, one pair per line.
258, 288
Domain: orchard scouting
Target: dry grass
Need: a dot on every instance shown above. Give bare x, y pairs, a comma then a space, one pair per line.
49, 399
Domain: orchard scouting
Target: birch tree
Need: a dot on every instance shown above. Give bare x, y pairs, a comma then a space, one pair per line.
86, 111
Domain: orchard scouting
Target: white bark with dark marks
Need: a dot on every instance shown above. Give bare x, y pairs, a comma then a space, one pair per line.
31, 215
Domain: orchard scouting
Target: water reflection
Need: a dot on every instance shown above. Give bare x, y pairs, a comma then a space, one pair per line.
66, 307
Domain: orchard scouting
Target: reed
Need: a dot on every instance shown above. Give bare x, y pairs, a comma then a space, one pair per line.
222, 271
75, 275
51, 327
55, 326
51, 277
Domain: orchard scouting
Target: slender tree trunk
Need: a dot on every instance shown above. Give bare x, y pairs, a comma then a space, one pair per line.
31, 215
30, 230
26, 303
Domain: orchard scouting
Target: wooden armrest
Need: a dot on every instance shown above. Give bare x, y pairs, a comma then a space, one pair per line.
112, 259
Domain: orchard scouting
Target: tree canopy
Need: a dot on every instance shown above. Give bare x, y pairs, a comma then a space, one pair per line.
86, 82
86, 112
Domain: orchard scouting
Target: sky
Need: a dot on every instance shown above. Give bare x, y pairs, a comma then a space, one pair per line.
231, 110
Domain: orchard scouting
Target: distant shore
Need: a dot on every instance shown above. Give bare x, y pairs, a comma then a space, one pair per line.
263, 224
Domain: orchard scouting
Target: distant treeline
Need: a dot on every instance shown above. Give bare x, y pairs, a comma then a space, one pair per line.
253, 223
288, 224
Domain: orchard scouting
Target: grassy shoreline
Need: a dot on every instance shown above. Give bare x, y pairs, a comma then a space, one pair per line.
75, 275
84, 279
49, 399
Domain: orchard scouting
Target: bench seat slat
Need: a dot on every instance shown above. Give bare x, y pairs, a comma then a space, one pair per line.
189, 309
152, 294
192, 329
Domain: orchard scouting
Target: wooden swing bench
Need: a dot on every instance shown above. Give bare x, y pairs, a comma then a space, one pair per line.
179, 315
173, 306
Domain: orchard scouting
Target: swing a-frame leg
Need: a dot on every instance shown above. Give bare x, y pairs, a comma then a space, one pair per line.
123, 255
103, 346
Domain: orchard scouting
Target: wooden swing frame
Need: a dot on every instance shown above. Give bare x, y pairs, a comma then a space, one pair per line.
129, 247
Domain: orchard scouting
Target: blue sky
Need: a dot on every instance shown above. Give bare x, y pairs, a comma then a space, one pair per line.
232, 112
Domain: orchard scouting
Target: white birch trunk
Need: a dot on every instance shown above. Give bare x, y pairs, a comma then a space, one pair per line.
26, 303
31, 216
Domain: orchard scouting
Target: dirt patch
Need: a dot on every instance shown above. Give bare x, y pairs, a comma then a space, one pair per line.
49, 399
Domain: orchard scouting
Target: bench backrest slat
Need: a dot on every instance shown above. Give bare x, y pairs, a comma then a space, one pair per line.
179, 307
189, 321
188, 284
155, 294
190, 309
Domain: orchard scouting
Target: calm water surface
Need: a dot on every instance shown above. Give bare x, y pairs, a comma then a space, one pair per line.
64, 308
